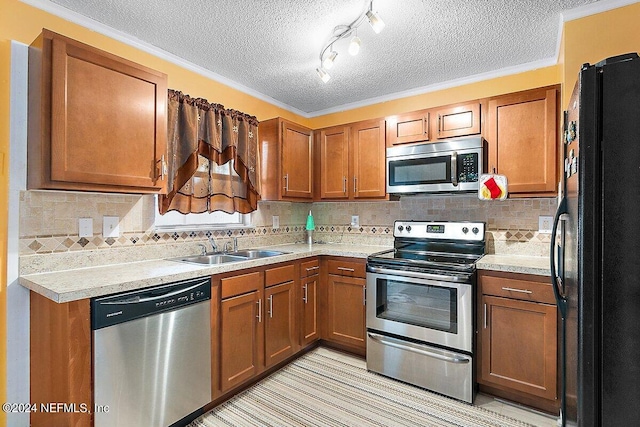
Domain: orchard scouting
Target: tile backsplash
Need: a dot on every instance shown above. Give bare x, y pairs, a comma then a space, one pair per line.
49, 221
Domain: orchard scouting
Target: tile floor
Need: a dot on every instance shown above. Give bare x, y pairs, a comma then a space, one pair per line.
521, 413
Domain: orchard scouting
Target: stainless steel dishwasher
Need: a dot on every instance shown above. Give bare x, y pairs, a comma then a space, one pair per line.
152, 355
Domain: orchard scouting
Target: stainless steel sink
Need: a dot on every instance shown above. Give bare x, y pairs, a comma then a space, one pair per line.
224, 258
212, 259
258, 253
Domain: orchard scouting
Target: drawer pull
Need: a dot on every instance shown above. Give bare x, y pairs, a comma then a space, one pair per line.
522, 291
312, 268
346, 269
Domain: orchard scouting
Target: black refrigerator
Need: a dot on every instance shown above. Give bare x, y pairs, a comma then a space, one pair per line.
595, 250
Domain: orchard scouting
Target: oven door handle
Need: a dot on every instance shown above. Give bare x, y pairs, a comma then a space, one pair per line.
428, 276
417, 348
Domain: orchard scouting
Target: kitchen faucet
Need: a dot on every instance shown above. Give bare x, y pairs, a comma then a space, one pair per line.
231, 243
214, 247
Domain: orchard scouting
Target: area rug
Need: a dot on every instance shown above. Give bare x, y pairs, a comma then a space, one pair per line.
324, 391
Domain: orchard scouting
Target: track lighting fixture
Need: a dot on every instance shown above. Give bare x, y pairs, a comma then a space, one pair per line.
340, 32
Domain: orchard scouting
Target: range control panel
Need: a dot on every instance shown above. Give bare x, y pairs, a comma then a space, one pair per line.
446, 230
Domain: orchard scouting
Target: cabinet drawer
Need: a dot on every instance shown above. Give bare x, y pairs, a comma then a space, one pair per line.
309, 268
346, 268
238, 285
274, 276
522, 287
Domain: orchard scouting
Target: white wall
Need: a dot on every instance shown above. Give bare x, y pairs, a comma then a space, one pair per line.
17, 296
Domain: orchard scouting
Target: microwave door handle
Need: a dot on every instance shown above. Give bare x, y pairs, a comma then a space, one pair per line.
454, 168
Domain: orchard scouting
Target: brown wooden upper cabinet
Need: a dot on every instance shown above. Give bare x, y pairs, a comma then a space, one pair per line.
286, 151
352, 161
456, 120
407, 128
97, 122
522, 135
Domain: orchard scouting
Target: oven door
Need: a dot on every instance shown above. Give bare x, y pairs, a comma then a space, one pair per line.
436, 309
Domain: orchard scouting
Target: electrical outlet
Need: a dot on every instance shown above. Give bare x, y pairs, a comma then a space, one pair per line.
545, 224
85, 227
275, 220
355, 220
110, 227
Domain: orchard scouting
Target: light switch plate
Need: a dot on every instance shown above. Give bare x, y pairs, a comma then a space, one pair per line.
545, 224
275, 220
85, 227
110, 227
355, 220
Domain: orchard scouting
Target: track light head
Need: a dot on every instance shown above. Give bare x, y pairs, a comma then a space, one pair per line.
375, 21
354, 46
324, 76
327, 63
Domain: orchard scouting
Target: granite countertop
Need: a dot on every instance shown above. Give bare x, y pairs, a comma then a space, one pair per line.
516, 264
71, 285
80, 283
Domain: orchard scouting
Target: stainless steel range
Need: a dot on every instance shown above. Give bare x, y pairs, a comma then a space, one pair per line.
420, 306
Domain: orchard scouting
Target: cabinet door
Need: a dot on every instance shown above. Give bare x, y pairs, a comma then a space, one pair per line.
334, 162
369, 161
518, 342
407, 128
459, 120
309, 317
106, 118
522, 138
297, 148
279, 322
346, 310
241, 340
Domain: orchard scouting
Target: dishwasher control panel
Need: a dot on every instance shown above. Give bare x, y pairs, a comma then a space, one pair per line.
115, 309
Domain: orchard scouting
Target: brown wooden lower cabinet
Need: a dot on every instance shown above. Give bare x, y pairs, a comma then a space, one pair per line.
345, 307
517, 348
241, 339
279, 321
309, 316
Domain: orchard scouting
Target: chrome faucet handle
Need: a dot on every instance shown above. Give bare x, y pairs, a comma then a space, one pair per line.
214, 247
203, 247
235, 244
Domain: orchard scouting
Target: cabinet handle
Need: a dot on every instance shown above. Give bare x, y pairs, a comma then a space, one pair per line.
485, 316
344, 184
425, 125
494, 169
163, 168
355, 185
304, 298
364, 296
259, 316
313, 268
270, 306
286, 182
522, 291
346, 269
439, 124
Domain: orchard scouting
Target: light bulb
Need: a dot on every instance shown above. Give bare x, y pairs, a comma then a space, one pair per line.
329, 60
324, 76
375, 21
354, 46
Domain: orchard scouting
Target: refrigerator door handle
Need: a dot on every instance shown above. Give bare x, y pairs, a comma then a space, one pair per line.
556, 281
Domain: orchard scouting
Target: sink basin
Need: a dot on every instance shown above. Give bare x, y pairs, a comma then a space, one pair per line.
223, 258
212, 259
258, 253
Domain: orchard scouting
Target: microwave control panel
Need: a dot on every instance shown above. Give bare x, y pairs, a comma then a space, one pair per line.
468, 168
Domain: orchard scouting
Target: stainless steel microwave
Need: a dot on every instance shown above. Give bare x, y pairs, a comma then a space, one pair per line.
451, 166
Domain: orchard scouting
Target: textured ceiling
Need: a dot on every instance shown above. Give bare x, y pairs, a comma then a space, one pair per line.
272, 46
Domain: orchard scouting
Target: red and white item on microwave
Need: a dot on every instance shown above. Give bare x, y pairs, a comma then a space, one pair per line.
492, 187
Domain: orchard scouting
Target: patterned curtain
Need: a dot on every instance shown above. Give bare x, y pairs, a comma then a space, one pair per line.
213, 158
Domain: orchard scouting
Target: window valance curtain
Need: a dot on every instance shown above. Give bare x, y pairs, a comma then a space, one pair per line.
213, 158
